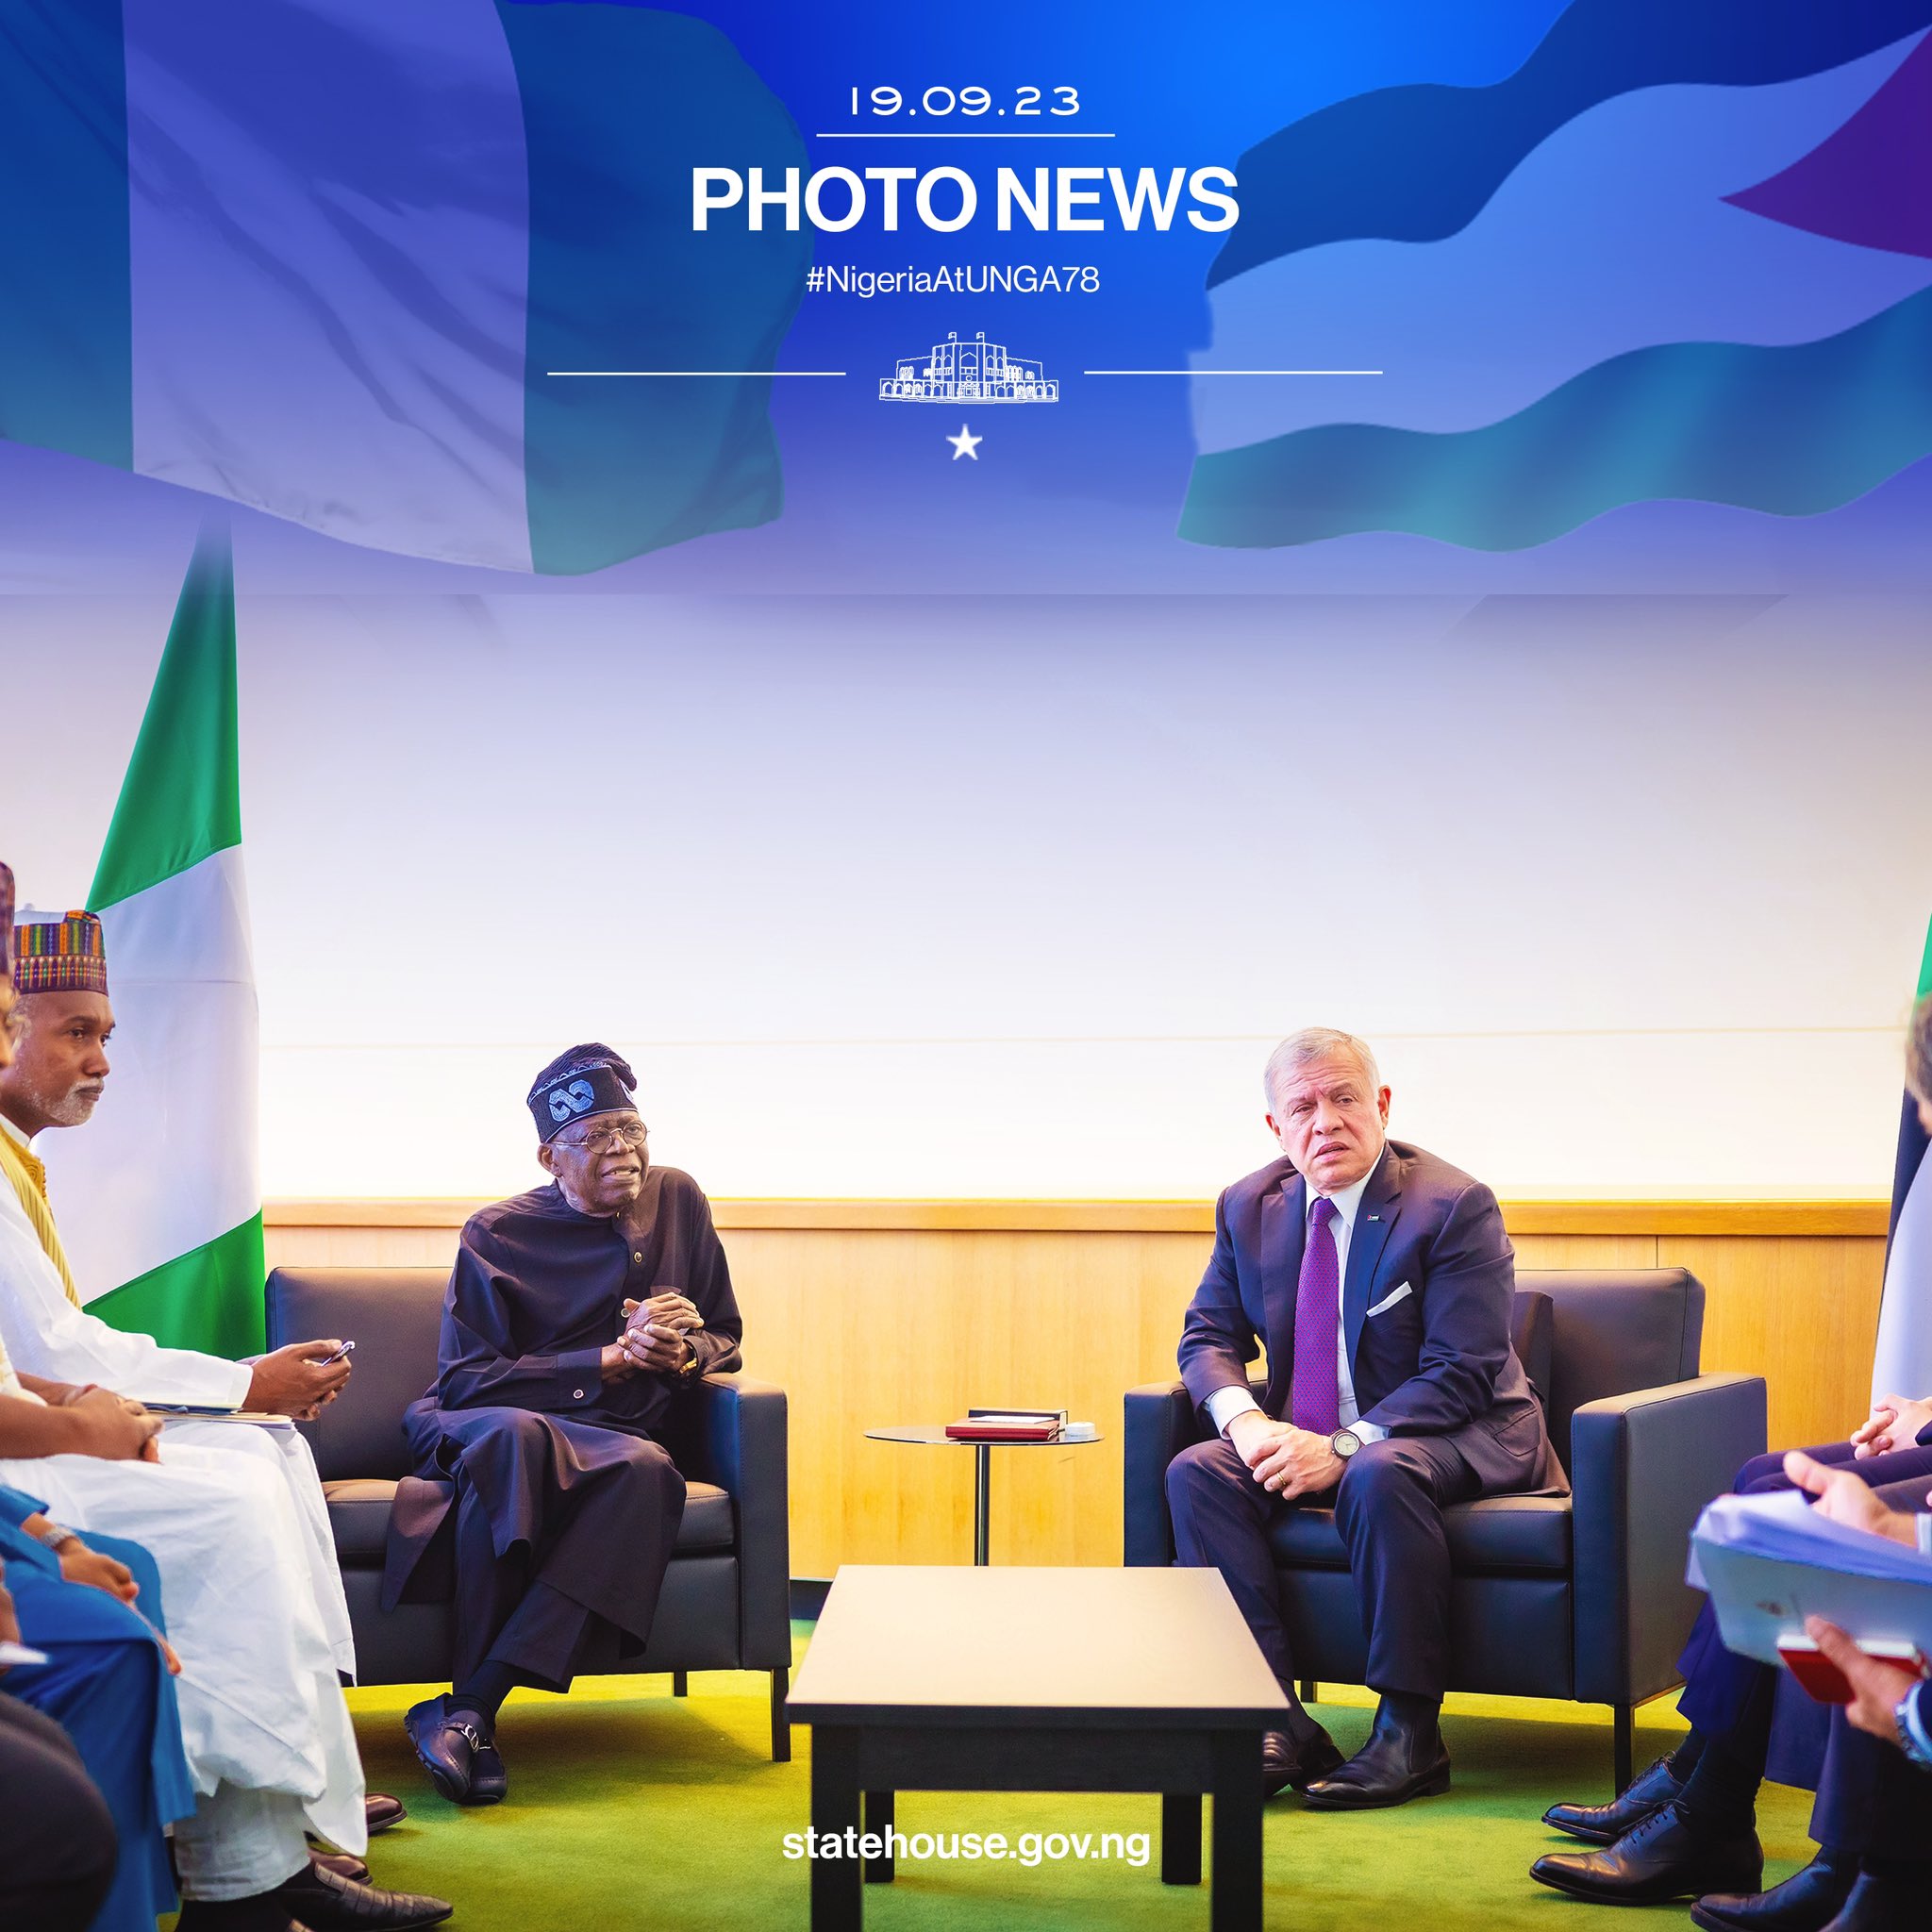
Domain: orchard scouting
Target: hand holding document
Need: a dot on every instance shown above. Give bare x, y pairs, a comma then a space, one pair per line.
1771, 1562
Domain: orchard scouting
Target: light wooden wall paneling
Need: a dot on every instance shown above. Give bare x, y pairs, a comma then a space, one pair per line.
875, 1313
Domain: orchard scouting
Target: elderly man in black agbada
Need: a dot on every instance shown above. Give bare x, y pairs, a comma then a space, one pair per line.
577, 1317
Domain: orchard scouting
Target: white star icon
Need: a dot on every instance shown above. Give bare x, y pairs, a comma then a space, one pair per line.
965, 443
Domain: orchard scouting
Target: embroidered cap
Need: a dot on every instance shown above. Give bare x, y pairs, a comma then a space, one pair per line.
59, 955
589, 1079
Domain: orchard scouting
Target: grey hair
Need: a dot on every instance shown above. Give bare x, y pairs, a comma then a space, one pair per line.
1918, 1050
1315, 1043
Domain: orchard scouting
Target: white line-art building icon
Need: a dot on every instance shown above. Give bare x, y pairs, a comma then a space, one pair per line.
975, 371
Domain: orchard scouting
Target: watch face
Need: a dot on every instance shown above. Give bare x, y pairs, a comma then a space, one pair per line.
1345, 1442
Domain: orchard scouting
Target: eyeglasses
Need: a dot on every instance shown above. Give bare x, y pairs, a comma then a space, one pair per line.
604, 1140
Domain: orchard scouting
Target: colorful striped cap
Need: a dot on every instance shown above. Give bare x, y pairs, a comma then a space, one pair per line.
59, 955
5, 918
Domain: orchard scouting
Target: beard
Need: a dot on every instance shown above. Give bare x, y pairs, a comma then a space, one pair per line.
75, 1108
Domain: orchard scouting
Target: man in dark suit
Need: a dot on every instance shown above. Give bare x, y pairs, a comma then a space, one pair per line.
1381, 1282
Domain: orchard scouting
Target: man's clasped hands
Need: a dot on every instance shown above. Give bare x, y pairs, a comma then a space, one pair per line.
653, 1336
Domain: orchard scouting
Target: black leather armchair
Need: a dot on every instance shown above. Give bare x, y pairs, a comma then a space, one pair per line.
1579, 1597
726, 1599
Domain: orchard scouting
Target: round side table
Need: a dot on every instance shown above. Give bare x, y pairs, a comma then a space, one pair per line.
1071, 1437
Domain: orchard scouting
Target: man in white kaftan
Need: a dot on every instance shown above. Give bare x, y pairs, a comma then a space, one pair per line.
234, 1518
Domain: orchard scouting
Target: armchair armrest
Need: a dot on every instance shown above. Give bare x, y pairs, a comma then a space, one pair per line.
741, 1446
1160, 1424
1643, 1466
1160, 1421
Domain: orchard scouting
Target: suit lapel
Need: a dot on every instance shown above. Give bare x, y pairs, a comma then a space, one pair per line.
1373, 1218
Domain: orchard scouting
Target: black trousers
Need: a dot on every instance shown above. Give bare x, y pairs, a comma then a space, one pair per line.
1389, 1508
56, 1840
563, 1534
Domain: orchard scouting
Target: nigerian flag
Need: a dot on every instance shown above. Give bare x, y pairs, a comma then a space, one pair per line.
1903, 1364
158, 1197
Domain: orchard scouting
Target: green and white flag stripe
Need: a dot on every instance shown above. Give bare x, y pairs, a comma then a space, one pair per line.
160, 1196
323, 260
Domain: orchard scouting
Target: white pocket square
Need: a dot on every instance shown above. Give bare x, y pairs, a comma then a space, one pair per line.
1389, 1299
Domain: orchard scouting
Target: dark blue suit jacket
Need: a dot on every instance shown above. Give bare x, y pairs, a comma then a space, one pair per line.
1435, 1361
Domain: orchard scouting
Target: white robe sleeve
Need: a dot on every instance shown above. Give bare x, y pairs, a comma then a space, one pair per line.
47, 1336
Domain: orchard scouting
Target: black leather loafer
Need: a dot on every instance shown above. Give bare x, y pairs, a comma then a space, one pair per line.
1286, 1765
1808, 1901
1604, 1824
460, 1756
1669, 1855
327, 1902
1401, 1761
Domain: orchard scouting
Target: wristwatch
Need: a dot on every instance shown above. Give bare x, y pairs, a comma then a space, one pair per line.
1911, 1740
1345, 1443
54, 1536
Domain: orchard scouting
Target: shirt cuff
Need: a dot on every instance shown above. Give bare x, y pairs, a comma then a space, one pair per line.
579, 1375
1369, 1432
1226, 1404
1923, 1524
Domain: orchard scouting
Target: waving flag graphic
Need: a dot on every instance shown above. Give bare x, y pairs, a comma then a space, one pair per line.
1686, 272
320, 258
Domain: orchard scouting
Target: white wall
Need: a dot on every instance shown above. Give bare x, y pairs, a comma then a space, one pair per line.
1010, 895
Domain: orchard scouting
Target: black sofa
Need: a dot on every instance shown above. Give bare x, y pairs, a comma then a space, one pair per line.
1581, 1596
725, 1603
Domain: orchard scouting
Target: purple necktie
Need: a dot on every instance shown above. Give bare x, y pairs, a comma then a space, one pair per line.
1315, 1400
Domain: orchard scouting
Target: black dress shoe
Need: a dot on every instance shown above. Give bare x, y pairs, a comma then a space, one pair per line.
459, 1755
1669, 1855
381, 1811
1881, 1905
325, 1900
1289, 1763
1404, 1759
343, 1864
1604, 1824
1808, 1901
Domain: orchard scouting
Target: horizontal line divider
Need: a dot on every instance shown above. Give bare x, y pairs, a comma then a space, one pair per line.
969, 134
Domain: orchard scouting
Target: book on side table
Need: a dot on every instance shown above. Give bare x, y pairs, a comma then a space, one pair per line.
1009, 1425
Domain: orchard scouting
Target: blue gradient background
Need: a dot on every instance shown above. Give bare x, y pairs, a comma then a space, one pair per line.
965, 832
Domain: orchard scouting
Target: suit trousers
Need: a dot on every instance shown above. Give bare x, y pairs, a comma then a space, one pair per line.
1871, 1798
56, 1839
1388, 1510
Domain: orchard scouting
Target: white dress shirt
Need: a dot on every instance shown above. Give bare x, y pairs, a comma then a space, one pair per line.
1226, 1404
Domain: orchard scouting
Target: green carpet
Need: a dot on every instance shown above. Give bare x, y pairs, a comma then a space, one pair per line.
630, 1808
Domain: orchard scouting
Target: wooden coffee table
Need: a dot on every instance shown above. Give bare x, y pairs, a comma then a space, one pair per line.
957, 1679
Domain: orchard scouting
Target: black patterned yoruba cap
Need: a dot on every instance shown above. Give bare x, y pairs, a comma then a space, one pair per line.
588, 1079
